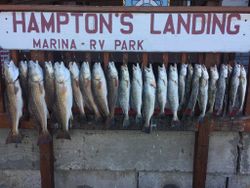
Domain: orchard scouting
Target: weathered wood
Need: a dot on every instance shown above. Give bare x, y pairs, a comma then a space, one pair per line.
125, 58
46, 150
201, 154
165, 58
179, 9
184, 58
144, 60
105, 59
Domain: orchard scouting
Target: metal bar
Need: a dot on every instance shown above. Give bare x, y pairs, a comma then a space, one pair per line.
179, 9
46, 150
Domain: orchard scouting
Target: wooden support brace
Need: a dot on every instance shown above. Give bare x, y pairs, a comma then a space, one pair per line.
46, 150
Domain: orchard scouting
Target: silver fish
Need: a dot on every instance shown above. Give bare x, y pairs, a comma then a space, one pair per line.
221, 89
13, 99
173, 96
234, 85
64, 99
99, 86
161, 91
77, 95
203, 92
113, 85
49, 85
242, 87
86, 89
124, 91
188, 84
149, 92
181, 82
227, 92
23, 69
214, 76
195, 89
136, 92
37, 104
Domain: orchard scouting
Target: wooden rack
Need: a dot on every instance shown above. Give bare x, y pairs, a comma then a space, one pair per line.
202, 131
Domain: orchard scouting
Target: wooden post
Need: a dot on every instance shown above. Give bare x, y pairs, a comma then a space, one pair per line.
201, 144
105, 60
46, 150
144, 59
165, 59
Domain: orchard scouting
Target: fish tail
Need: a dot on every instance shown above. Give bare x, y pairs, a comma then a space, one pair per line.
125, 123
63, 135
14, 138
44, 138
138, 119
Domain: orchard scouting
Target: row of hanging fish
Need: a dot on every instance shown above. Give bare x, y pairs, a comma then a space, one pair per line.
51, 92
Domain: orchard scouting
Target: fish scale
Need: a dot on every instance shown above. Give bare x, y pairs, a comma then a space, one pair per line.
161, 92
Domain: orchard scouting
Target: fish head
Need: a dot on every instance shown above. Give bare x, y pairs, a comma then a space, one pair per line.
85, 70
148, 73
162, 71
214, 72
205, 73
124, 72
74, 70
224, 70
112, 70
190, 69
49, 68
61, 72
183, 70
243, 73
198, 70
10, 71
97, 71
23, 67
237, 69
35, 71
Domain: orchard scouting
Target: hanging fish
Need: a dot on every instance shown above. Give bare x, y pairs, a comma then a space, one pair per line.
64, 99
173, 96
124, 91
195, 90
149, 92
214, 76
86, 89
234, 86
13, 100
181, 82
161, 91
136, 92
221, 89
99, 86
49, 85
188, 84
242, 88
203, 92
23, 70
77, 95
113, 85
37, 105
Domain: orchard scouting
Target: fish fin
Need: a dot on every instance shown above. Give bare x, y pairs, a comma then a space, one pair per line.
201, 119
127, 83
99, 84
87, 82
14, 138
63, 135
153, 84
125, 122
138, 119
77, 83
44, 138
16, 89
64, 89
116, 82
40, 87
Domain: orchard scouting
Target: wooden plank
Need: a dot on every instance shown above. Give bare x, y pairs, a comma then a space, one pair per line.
46, 150
179, 9
105, 59
144, 60
125, 58
201, 154
202, 142
165, 59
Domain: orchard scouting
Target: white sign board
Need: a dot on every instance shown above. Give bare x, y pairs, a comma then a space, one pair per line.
135, 32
